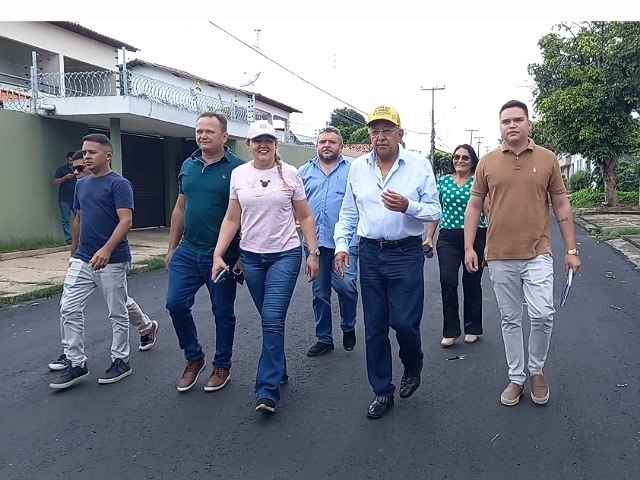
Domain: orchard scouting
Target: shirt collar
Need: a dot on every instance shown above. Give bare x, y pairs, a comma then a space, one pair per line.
371, 159
197, 155
530, 146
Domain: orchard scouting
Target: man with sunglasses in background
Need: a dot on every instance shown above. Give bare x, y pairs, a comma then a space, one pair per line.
390, 193
66, 182
325, 179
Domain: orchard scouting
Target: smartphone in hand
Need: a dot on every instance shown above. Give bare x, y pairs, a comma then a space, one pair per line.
221, 276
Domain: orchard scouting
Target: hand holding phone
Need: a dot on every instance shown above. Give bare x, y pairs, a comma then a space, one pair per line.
221, 276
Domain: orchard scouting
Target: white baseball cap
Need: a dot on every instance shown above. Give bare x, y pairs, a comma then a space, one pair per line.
261, 128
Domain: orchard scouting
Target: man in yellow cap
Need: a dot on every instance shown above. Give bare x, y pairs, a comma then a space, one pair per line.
390, 193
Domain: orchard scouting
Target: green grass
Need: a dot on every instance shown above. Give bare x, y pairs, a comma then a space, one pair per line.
47, 291
31, 244
617, 233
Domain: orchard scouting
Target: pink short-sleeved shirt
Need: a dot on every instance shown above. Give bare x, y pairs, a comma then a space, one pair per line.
268, 222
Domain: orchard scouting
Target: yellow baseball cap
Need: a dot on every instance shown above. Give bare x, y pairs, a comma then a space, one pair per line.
384, 112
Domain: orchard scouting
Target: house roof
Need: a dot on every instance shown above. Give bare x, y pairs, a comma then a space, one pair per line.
86, 32
183, 74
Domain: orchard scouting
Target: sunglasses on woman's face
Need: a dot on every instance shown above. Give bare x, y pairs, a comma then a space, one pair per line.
79, 168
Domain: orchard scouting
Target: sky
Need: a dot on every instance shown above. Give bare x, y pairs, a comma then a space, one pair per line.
356, 55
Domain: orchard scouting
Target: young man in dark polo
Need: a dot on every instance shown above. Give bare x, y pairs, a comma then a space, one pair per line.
203, 197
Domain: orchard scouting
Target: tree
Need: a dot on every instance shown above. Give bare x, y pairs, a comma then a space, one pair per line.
360, 135
347, 121
441, 163
588, 91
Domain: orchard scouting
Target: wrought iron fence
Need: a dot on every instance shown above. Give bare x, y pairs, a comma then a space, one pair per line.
112, 83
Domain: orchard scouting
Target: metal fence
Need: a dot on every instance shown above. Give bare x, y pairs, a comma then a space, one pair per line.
113, 83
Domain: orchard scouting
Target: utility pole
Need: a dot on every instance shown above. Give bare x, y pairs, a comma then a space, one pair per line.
479, 139
471, 136
433, 122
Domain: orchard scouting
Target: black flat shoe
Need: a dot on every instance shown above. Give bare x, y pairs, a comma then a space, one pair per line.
319, 348
349, 340
410, 381
380, 406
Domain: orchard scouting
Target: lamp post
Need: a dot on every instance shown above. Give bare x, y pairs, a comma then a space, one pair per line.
251, 113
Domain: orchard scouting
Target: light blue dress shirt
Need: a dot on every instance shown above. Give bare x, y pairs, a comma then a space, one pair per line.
325, 194
363, 212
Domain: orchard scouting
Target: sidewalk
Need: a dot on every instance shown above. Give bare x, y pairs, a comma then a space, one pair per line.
595, 220
29, 271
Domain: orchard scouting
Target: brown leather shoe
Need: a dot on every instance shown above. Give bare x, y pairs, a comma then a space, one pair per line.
511, 395
539, 389
190, 375
218, 379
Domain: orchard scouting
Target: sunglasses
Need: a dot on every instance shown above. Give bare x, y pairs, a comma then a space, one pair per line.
466, 158
78, 168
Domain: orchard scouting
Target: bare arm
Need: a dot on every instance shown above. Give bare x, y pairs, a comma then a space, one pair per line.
125, 219
431, 231
176, 228
471, 219
228, 229
61, 180
564, 215
308, 227
75, 232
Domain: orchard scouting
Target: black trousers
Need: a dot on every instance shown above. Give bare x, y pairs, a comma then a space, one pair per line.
450, 249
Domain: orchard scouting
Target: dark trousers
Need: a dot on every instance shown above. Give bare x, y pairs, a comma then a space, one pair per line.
450, 249
392, 286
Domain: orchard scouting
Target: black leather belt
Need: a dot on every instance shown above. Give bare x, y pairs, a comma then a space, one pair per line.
386, 244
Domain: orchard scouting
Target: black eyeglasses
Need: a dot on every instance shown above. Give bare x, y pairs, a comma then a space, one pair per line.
78, 167
466, 158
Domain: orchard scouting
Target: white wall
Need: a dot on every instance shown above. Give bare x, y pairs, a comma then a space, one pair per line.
57, 40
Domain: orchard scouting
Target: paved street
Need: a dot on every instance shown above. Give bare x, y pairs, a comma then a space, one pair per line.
453, 427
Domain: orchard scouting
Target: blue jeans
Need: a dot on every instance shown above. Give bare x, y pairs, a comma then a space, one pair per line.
271, 278
392, 286
65, 216
345, 288
188, 271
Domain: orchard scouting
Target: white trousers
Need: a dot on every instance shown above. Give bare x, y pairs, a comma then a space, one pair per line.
515, 282
80, 282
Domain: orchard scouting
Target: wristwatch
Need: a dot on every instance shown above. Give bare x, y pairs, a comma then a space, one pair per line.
573, 251
315, 252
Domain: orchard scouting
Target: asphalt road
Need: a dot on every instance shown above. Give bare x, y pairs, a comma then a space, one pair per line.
453, 427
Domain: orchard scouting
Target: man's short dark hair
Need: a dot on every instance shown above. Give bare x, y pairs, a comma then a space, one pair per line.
70, 154
99, 138
221, 119
77, 155
515, 104
331, 129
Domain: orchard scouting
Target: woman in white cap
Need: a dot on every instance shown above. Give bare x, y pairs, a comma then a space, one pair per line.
266, 198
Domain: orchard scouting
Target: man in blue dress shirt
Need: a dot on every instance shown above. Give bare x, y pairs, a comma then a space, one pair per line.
390, 193
325, 179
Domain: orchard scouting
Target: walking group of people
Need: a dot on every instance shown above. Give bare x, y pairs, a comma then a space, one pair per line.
374, 218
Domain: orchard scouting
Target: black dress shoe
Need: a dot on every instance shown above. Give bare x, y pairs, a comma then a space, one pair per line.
380, 406
319, 348
349, 340
410, 380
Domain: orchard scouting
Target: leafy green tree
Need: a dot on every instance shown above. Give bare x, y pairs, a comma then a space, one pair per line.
441, 163
588, 91
347, 120
361, 135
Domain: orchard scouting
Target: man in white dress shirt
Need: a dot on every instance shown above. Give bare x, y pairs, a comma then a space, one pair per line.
390, 193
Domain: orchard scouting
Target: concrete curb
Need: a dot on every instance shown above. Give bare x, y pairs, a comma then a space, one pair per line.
32, 253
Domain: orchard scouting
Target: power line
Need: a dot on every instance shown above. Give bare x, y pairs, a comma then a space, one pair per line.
286, 69
256, 50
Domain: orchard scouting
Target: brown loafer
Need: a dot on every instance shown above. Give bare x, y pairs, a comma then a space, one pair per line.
511, 395
539, 389
190, 375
